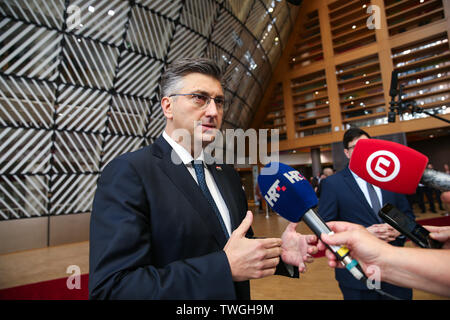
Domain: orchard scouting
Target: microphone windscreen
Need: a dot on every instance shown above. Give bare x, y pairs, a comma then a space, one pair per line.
388, 165
286, 191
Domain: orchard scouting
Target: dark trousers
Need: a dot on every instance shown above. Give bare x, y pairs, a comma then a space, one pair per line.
438, 198
429, 194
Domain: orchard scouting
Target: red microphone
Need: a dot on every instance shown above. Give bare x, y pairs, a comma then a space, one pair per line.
394, 167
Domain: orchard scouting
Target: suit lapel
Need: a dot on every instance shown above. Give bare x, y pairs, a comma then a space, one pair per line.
351, 183
387, 197
182, 179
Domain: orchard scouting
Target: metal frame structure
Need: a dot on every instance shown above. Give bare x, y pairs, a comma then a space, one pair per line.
79, 84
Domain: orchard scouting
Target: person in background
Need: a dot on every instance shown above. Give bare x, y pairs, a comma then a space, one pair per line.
436, 192
446, 204
445, 198
314, 181
421, 191
430, 193
326, 172
347, 197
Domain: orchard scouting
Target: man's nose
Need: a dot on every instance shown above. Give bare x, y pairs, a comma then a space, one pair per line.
211, 109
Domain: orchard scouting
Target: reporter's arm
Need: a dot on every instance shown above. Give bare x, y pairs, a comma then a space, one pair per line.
423, 269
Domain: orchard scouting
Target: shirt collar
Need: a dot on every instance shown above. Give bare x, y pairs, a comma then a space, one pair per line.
354, 174
184, 155
359, 179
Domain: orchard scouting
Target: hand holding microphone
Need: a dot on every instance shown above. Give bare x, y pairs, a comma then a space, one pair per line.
363, 246
424, 269
290, 195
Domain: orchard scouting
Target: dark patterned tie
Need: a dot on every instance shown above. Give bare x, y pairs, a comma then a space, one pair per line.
376, 206
200, 172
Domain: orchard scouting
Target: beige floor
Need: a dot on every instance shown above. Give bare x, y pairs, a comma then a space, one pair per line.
37, 265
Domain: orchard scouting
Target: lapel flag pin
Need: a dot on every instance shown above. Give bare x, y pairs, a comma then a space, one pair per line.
219, 168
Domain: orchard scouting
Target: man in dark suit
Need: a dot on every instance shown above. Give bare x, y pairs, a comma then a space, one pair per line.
346, 197
163, 217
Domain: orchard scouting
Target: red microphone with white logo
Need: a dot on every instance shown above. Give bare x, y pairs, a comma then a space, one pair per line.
394, 167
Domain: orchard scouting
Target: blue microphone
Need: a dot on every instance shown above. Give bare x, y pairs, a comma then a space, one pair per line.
289, 194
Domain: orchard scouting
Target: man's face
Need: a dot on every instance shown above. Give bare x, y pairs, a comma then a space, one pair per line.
348, 152
328, 172
187, 112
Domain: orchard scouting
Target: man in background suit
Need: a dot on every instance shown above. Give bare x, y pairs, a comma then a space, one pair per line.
167, 225
346, 197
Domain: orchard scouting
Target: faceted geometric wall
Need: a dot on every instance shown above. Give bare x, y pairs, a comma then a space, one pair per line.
79, 84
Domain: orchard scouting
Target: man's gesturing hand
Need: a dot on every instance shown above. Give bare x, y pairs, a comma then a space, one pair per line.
297, 248
383, 232
251, 258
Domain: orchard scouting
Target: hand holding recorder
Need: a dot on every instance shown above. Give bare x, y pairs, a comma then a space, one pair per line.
408, 227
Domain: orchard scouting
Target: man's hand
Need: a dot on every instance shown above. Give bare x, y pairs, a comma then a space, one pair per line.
297, 248
383, 232
399, 266
441, 234
363, 246
251, 258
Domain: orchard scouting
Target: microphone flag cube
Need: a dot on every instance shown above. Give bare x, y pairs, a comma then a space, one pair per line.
287, 192
388, 165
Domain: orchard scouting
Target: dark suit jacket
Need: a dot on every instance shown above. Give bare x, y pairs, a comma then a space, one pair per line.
153, 235
341, 199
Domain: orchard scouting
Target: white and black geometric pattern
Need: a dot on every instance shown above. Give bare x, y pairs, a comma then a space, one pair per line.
79, 84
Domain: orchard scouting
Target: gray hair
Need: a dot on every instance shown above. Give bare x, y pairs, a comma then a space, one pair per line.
173, 75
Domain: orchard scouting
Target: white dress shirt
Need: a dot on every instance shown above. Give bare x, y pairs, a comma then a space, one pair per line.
187, 158
363, 186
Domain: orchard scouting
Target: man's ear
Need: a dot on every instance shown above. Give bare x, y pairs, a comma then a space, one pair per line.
166, 105
346, 153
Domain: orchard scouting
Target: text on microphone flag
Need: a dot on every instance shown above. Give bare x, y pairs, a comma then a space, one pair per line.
293, 176
273, 194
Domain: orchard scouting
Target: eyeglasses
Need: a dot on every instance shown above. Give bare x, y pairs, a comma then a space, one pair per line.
201, 100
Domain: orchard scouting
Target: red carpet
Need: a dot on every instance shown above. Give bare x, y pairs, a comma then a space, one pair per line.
438, 221
47, 290
57, 289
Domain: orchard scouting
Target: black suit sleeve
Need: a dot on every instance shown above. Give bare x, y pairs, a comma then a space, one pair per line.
328, 202
121, 265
